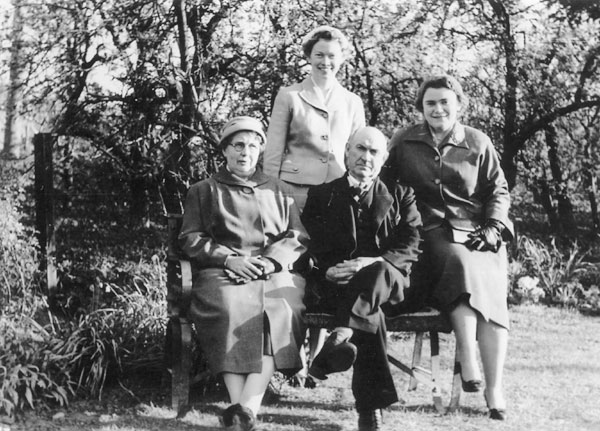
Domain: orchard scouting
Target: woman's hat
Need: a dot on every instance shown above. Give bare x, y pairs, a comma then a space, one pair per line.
243, 123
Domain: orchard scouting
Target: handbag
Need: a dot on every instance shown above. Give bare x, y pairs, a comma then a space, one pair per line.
460, 229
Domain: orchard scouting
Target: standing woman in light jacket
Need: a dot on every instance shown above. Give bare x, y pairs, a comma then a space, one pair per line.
311, 123
463, 198
313, 120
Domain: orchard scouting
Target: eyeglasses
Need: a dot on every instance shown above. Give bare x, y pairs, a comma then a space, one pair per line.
240, 146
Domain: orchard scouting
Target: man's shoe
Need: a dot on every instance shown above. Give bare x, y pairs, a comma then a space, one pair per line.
334, 357
370, 420
498, 414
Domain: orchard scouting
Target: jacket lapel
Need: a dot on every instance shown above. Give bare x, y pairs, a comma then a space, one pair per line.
310, 96
337, 98
342, 199
382, 202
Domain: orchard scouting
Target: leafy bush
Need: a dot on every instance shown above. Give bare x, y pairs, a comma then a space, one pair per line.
50, 362
527, 290
30, 370
117, 299
127, 337
590, 303
563, 275
18, 245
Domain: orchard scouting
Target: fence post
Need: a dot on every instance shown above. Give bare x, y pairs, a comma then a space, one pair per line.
44, 207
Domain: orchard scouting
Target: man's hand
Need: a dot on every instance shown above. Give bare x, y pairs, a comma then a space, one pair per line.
343, 272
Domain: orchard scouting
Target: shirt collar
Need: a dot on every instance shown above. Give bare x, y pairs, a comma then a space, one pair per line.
353, 182
456, 137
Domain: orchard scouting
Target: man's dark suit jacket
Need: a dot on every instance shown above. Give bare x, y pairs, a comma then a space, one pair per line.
329, 219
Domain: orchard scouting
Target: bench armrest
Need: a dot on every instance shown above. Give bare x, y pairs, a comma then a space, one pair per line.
179, 287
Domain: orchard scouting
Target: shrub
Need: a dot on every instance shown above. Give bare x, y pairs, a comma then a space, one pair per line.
562, 275
30, 369
590, 303
121, 338
51, 362
527, 290
18, 247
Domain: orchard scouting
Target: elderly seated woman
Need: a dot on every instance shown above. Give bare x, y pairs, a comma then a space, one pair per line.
242, 231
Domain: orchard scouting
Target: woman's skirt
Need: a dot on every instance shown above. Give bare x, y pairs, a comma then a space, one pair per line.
231, 321
452, 272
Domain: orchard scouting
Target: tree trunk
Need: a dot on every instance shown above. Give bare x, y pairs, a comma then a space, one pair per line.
594, 206
372, 106
178, 162
11, 147
566, 218
139, 211
542, 195
510, 144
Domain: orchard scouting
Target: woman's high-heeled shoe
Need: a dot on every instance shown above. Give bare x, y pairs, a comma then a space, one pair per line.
496, 414
470, 385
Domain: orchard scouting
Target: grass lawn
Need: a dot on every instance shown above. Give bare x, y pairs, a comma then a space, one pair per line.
552, 383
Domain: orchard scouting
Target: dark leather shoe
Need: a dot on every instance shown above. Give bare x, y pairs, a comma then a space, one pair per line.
471, 385
238, 418
333, 358
370, 420
498, 414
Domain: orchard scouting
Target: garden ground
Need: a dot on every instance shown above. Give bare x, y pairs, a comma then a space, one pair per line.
552, 384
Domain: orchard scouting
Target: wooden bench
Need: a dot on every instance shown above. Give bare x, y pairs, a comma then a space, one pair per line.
179, 341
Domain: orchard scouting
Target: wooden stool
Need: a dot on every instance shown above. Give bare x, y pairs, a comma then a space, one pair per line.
426, 320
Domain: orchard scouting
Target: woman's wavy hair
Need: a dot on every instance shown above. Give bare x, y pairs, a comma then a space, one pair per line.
440, 81
324, 32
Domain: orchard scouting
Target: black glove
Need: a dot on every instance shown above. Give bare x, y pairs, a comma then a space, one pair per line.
487, 237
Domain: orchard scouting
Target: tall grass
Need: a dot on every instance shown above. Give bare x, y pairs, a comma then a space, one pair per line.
30, 370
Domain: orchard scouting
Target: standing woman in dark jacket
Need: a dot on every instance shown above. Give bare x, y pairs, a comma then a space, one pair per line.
242, 231
463, 198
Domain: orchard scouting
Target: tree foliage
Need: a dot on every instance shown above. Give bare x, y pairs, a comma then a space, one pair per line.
147, 83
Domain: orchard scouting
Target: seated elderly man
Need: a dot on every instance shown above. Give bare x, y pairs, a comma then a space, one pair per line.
364, 239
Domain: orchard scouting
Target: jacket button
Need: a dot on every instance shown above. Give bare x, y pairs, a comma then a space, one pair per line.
323, 159
324, 137
324, 114
247, 190
295, 169
437, 158
437, 181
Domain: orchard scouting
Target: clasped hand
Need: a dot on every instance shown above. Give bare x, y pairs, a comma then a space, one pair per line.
486, 238
242, 269
343, 272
